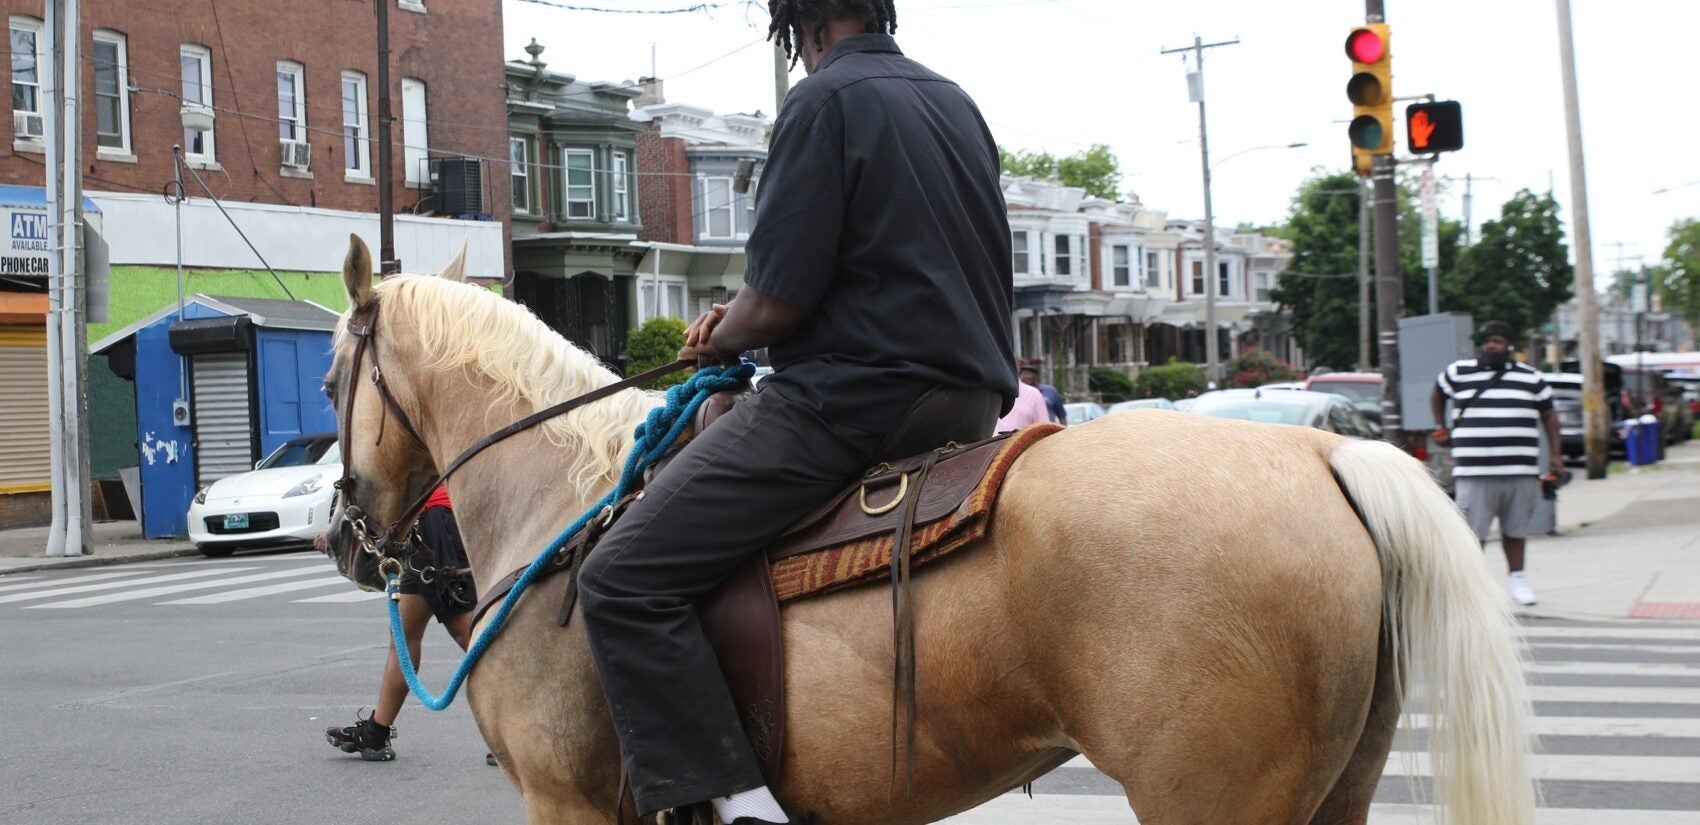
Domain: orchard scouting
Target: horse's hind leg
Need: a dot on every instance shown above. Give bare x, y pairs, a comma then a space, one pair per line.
1348, 802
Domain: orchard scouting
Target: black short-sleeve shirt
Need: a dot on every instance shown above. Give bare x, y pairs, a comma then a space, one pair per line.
880, 209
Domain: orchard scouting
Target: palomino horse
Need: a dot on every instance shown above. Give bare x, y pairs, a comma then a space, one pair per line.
1191, 603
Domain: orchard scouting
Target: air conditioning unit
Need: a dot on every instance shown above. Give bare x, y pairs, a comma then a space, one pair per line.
460, 186
297, 154
26, 125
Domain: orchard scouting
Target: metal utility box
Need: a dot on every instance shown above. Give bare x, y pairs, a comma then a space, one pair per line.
1427, 343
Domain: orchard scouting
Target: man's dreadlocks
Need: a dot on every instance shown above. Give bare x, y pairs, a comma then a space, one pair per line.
790, 15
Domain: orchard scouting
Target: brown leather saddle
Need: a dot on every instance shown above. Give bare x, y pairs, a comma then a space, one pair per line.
935, 479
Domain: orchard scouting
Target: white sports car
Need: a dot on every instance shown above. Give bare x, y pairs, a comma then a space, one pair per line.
284, 500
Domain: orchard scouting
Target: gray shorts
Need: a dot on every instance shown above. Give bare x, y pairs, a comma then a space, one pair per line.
1510, 498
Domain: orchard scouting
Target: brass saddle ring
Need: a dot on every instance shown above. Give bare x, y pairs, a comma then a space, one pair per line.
902, 492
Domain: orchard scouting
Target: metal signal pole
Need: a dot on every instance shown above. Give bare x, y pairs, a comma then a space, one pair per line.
387, 262
1389, 280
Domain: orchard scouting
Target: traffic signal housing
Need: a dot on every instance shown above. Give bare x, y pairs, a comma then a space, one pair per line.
1371, 93
1436, 126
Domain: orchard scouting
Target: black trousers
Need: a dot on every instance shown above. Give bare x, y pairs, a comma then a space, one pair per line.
728, 494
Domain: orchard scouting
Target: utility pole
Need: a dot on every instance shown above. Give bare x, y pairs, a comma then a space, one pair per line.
1195, 91
49, 75
387, 262
68, 344
1587, 302
1364, 198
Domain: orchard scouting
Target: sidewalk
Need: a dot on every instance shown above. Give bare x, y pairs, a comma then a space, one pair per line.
24, 549
1628, 545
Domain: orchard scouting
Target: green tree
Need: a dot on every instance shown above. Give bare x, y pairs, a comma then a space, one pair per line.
1320, 283
1519, 272
1681, 276
1094, 169
1176, 379
654, 344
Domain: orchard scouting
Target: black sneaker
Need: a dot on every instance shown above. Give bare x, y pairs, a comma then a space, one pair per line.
365, 737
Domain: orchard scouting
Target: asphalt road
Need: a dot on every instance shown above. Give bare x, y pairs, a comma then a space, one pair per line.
195, 691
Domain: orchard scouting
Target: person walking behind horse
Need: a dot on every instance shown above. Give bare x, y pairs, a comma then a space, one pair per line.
1058, 411
1497, 406
448, 597
879, 271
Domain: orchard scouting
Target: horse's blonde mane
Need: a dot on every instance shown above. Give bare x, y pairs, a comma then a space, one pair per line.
465, 326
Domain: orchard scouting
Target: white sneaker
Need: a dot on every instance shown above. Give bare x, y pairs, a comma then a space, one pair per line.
1518, 584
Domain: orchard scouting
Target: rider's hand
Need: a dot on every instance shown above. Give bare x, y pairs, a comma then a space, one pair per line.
319, 542
696, 335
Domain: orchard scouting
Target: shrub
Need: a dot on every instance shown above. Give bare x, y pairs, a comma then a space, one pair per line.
1256, 367
1111, 385
654, 344
1175, 379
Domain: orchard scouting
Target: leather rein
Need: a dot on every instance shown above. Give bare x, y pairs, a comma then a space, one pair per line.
391, 542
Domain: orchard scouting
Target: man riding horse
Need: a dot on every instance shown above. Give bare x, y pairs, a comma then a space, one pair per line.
878, 275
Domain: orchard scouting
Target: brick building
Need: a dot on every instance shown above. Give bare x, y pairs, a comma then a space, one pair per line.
290, 91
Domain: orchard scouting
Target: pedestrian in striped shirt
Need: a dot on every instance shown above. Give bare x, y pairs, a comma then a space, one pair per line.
1498, 406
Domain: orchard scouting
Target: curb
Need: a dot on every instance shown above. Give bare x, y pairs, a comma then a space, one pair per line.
101, 561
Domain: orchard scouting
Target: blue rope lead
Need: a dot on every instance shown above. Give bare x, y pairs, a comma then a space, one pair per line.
654, 437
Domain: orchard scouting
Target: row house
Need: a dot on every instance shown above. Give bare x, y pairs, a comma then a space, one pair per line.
275, 109
698, 191
1247, 265
576, 204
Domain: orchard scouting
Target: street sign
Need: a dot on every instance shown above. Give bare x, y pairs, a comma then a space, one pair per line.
31, 246
1431, 223
1434, 127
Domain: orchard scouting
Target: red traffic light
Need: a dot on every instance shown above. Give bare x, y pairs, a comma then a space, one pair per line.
1365, 46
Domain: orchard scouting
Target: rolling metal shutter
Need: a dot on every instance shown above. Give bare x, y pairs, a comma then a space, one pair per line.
25, 450
224, 435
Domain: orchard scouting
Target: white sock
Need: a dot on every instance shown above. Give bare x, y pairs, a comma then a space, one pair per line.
757, 803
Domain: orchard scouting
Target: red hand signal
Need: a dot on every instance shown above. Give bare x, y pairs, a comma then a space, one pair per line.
1421, 129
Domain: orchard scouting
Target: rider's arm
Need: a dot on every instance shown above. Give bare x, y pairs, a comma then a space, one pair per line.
1437, 403
754, 320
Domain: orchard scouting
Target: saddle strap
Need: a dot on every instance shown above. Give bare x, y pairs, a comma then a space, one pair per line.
903, 625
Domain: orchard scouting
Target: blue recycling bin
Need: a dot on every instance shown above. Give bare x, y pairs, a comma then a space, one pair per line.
1635, 443
1649, 435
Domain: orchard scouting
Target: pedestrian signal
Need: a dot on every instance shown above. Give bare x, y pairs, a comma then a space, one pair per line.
1434, 127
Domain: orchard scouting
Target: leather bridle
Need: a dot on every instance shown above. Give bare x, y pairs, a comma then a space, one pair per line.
392, 543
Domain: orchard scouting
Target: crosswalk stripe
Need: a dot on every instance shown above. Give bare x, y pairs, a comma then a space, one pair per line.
110, 585
1015, 808
1549, 766
19, 579
1563, 693
150, 592
1599, 726
1613, 668
75, 580
1605, 635
252, 592
338, 598
1415, 814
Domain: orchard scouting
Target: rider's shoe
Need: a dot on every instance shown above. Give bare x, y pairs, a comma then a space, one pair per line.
365, 737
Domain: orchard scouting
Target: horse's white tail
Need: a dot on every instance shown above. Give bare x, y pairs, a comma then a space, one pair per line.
1445, 617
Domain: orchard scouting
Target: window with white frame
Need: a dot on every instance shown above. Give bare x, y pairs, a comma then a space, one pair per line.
196, 64
673, 296
28, 55
1121, 265
580, 177
519, 169
1153, 271
1198, 277
622, 190
111, 92
1065, 255
717, 207
750, 207
1263, 285
1222, 280
291, 101
415, 143
356, 140
1018, 248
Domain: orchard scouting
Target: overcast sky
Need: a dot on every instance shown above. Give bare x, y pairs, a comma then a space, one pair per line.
1062, 74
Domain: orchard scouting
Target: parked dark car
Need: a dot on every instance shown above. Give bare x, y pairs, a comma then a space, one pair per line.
1567, 403
1363, 389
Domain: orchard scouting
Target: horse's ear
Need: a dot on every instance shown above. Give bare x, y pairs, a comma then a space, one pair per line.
456, 270
357, 273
